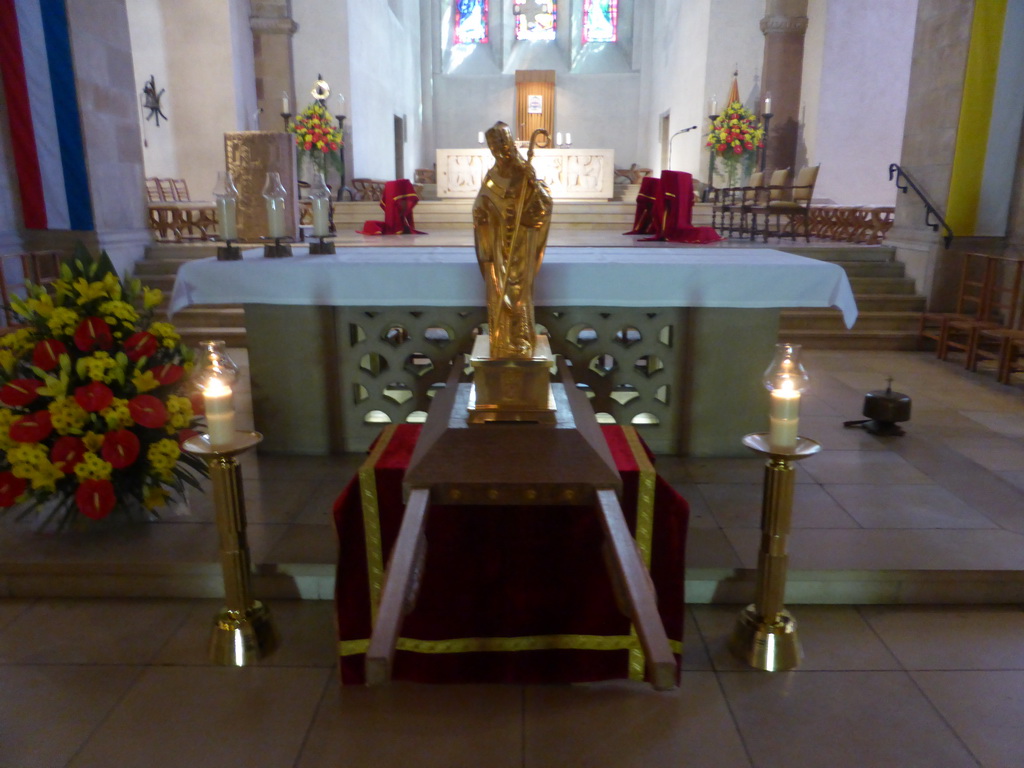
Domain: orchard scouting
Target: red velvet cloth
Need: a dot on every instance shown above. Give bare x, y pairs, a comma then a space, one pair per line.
506, 572
673, 212
643, 219
398, 201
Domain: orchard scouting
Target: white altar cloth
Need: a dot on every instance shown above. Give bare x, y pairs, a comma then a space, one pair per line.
438, 276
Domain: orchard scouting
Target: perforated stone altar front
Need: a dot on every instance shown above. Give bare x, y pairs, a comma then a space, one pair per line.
325, 379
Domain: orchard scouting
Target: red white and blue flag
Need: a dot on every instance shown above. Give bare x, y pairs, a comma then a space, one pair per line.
42, 109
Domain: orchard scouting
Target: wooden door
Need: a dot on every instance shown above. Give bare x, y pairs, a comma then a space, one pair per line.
535, 102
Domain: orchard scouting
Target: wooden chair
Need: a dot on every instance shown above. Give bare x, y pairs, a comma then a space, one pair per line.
39, 267
1012, 360
975, 290
993, 339
153, 190
181, 191
166, 189
790, 200
732, 205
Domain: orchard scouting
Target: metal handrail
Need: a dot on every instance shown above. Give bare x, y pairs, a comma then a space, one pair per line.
932, 217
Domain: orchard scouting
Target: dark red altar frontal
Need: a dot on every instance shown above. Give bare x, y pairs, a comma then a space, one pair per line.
508, 594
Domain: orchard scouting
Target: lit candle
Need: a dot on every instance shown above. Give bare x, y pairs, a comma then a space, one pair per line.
558, 139
568, 139
227, 218
284, 103
275, 217
714, 105
321, 216
768, 104
220, 413
480, 137
784, 417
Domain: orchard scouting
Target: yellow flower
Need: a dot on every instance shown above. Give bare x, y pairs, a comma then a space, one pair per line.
90, 291
154, 497
63, 321
163, 456
43, 306
151, 297
92, 467
8, 360
30, 461
7, 417
98, 367
179, 411
114, 311
144, 381
94, 440
67, 416
166, 334
116, 415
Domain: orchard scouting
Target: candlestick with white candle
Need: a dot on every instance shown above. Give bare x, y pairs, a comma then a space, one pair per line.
220, 413
558, 139
226, 196
284, 103
786, 379
215, 372
568, 139
274, 194
768, 104
480, 137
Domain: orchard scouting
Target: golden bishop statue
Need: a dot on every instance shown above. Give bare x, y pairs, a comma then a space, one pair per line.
511, 218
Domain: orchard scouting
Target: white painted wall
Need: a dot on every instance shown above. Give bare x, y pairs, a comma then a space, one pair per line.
145, 24
201, 53
855, 118
366, 50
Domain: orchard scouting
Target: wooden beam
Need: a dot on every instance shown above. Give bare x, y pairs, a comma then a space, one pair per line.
398, 587
639, 593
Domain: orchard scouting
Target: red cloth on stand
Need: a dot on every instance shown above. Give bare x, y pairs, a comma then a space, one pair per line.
643, 220
398, 201
507, 574
673, 211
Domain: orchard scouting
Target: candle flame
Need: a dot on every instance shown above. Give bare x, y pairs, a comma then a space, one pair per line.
216, 388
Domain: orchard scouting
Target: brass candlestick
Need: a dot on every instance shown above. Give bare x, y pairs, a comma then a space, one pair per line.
765, 633
242, 631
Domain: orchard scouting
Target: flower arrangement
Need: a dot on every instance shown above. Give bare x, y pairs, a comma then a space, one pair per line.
734, 138
91, 413
317, 137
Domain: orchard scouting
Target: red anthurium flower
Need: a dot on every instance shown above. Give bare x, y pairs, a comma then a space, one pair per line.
47, 354
147, 411
33, 428
93, 333
95, 498
141, 344
167, 374
19, 392
120, 448
67, 451
94, 396
11, 488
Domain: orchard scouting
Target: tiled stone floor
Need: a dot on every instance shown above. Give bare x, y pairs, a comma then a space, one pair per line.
89, 682
125, 683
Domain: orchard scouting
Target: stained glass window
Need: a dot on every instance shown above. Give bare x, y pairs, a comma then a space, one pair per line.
535, 19
600, 21
471, 21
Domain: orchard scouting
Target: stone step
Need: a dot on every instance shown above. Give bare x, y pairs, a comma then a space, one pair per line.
832, 320
213, 316
896, 302
842, 252
872, 268
852, 339
877, 285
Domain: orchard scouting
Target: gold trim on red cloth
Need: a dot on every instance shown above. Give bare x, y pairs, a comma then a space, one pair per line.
371, 518
644, 528
507, 644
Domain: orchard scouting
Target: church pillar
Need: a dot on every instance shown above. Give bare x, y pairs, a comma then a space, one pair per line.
272, 31
783, 26
942, 40
93, 82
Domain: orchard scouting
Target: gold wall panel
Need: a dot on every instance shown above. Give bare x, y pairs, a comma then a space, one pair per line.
249, 156
534, 82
